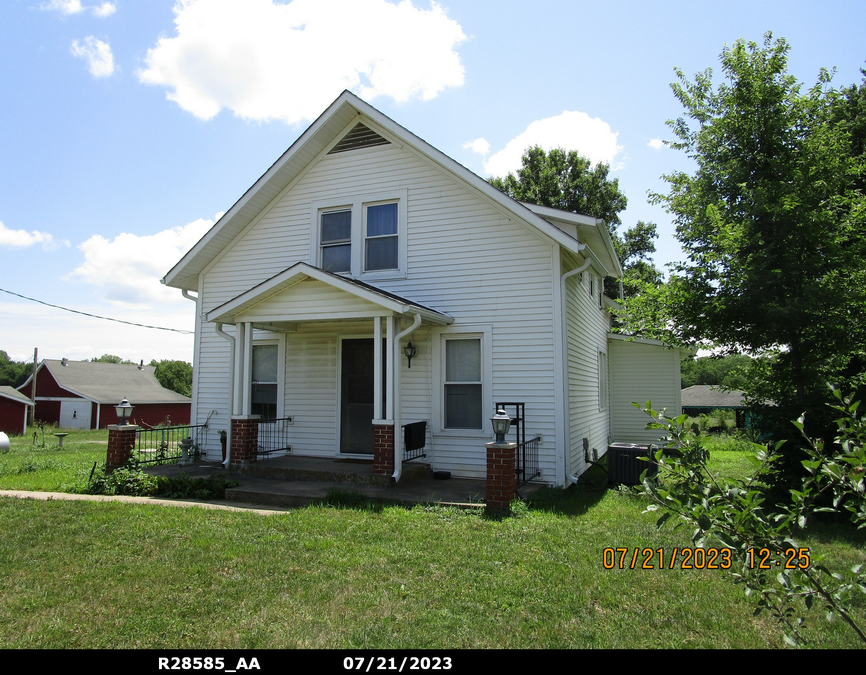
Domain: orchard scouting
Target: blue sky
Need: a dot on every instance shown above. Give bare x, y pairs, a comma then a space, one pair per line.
127, 127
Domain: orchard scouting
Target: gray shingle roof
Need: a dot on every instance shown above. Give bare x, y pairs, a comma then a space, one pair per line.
710, 396
14, 394
111, 382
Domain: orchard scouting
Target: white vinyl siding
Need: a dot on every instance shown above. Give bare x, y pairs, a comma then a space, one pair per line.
587, 328
641, 372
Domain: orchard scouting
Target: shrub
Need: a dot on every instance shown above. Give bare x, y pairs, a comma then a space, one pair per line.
130, 480
736, 515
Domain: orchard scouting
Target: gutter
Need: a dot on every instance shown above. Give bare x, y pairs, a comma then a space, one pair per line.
569, 479
223, 334
398, 436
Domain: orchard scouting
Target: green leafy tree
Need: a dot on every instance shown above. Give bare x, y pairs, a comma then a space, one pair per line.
568, 181
13, 373
174, 375
109, 358
772, 224
726, 371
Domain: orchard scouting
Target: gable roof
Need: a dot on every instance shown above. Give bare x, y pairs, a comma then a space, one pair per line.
285, 281
14, 394
110, 382
710, 396
321, 134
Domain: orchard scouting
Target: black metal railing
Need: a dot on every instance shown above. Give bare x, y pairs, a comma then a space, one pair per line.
527, 451
274, 437
527, 461
166, 444
414, 441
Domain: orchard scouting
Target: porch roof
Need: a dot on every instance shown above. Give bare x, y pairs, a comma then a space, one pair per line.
306, 293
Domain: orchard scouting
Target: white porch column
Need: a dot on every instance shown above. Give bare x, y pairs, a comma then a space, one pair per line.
377, 368
390, 368
247, 368
237, 394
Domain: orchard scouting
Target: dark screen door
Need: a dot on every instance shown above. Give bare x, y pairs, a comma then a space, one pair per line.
356, 397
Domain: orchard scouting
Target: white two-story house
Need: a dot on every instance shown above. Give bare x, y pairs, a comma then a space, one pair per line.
361, 239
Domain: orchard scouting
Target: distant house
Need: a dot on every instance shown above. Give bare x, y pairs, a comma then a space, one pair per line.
367, 281
702, 398
82, 394
13, 411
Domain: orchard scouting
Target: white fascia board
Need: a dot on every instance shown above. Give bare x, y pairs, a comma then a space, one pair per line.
559, 214
577, 220
642, 341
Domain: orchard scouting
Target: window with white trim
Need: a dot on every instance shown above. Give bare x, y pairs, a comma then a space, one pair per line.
362, 237
602, 380
265, 380
336, 240
463, 389
381, 234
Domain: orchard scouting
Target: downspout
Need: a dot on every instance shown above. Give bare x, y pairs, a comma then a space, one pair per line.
223, 334
569, 479
193, 408
398, 371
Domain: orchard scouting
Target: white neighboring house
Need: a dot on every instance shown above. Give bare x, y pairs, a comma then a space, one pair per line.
362, 234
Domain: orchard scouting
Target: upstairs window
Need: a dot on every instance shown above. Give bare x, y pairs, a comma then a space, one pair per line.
364, 236
336, 241
381, 252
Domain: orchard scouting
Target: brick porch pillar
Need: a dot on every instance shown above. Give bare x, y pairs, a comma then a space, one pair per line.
245, 441
121, 443
501, 477
383, 447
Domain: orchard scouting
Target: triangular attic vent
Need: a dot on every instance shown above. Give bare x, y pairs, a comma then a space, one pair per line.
359, 137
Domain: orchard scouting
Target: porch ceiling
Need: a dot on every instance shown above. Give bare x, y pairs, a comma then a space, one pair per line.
303, 293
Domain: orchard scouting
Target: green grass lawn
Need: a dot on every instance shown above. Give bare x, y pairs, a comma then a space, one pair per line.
45, 466
84, 574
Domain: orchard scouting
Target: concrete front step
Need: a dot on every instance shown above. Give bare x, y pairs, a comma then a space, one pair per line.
316, 471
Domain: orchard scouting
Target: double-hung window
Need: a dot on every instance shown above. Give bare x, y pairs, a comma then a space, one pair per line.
336, 240
362, 236
463, 384
380, 239
264, 380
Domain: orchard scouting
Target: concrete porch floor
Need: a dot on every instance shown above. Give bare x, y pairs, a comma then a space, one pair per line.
299, 481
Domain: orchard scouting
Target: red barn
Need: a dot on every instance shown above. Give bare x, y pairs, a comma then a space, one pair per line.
82, 394
14, 407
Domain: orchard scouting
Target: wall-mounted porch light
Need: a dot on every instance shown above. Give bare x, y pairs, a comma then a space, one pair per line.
124, 410
410, 351
501, 424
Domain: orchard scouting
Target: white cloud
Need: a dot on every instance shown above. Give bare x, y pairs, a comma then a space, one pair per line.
129, 267
479, 145
288, 61
68, 7
103, 10
22, 239
65, 7
656, 143
572, 130
98, 55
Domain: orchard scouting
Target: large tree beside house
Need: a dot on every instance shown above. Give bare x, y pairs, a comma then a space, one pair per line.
773, 224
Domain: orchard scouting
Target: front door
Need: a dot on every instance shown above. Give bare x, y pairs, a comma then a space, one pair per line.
356, 397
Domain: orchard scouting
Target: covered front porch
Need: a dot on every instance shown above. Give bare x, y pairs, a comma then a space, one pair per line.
338, 355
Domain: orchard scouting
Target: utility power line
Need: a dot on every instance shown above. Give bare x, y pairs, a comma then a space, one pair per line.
95, 316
